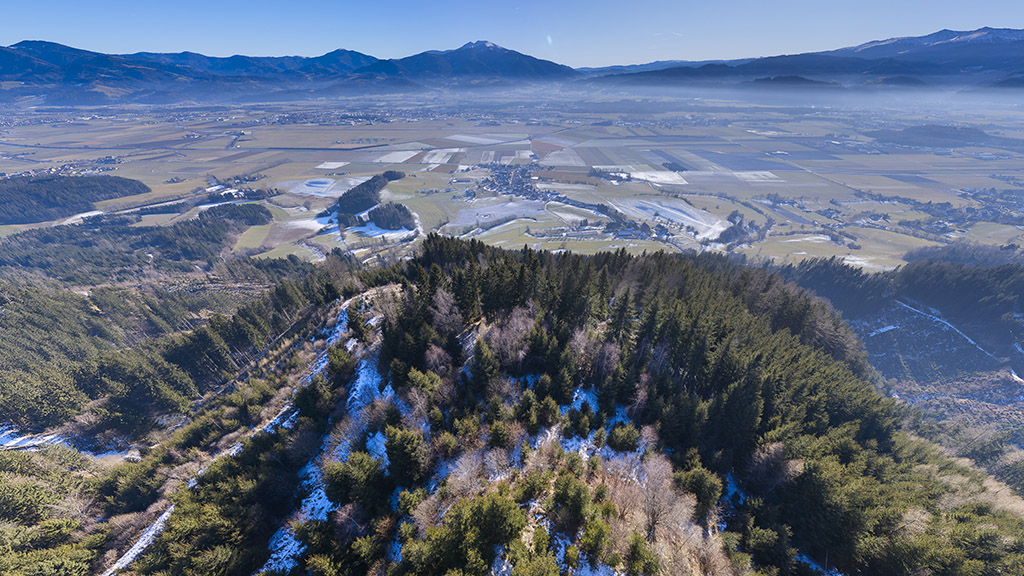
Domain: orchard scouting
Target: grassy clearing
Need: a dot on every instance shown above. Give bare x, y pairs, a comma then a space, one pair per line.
254, 237
285, 250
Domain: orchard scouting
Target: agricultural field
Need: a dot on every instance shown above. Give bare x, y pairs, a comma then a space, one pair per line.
773, 182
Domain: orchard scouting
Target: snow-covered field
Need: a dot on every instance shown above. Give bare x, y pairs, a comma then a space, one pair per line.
491, 210
757, 176
659, 177
671, 209
314, 224
323, 186
472, 139
813, 238
396, 157
371, 230
566, 157
314, 186
440, 155
331, 165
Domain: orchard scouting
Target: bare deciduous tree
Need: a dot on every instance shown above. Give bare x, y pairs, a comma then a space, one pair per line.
464, 479
605, 360
437, 360
445, 313
508, 341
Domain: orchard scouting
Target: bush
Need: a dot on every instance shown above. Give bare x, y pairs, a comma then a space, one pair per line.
705, 486
500, 436
640, 560
572, 501
408, 457
624, 437
359, 479
594, 540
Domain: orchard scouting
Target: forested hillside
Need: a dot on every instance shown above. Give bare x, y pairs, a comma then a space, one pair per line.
29, 199
75, 298
475, 411
557, 413
979, 291
946, 331
70, 513
111, 248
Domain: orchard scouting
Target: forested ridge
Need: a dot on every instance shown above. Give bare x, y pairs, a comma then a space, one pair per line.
392, 216
552, 413
975, 288
361, 197
28, 199
731, 396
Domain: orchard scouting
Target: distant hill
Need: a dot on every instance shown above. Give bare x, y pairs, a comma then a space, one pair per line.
935, 136
986, 58
338, 62
473, 60
939, 136
650, 66
793, 82
990, 47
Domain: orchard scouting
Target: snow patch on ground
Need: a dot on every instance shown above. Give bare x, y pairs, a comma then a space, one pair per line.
579, 396
371, 230
945, 323
284, 546
883, 330
439, 155
376, 445
312, 224
733, 489
143, 542
584, 569
805, 559
284, 551
331, 165
365, 389
501, 566
12, 439
815, 238
444, 468
395, 551
659, 177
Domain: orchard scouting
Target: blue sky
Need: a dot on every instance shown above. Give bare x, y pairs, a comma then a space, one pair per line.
573, 32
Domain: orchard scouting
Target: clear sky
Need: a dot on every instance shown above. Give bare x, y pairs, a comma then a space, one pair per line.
573, 32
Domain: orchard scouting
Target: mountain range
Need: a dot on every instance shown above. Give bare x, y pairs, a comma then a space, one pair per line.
38, 71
